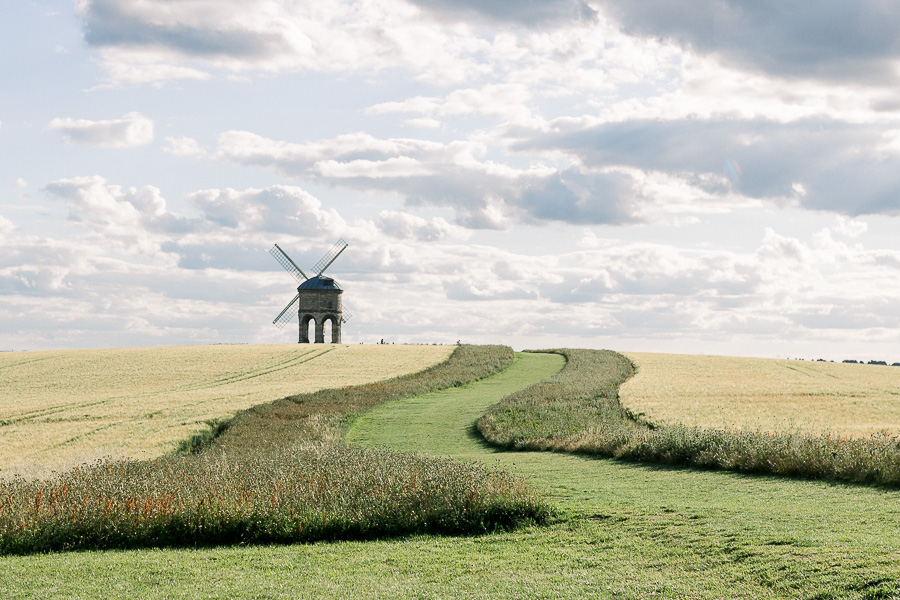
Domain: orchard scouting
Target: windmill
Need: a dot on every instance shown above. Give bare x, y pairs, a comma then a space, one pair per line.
318, 298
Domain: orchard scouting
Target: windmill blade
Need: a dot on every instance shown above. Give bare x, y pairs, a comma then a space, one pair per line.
289, 265
329, 258
285, 316
345, 316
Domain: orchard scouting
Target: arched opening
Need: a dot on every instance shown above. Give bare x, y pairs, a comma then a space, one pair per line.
327, 329
311, 329
307, 329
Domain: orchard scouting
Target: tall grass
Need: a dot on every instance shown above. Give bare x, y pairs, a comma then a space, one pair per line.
277, 473
300, 495
578, 410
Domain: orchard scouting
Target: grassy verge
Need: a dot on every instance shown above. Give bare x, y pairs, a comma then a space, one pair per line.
277, 473
578, 410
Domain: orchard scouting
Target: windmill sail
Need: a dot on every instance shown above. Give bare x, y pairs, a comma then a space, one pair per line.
289, 265
329, 258
285, 316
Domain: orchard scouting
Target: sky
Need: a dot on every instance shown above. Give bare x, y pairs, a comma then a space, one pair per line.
689, 176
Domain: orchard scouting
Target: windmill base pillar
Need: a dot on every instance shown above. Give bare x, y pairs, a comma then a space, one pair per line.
336, 331
319, 334
304, 328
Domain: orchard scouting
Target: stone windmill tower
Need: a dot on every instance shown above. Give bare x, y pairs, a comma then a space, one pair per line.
318, 298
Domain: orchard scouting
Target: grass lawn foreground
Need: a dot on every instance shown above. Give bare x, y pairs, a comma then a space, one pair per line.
623, 531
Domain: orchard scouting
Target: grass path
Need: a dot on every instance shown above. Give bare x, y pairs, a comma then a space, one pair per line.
626, 531
766, 536
442, 423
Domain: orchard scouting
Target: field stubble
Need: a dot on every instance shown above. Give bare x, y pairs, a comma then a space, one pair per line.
759, 394
63, 408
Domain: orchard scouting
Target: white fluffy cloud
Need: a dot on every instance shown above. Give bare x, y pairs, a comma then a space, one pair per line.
274, 209
131, 130
404, 226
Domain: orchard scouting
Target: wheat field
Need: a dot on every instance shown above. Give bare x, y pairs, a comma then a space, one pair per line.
852, 400
62, 408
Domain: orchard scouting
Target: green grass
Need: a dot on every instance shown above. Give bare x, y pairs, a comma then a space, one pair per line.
624, 530
440, 423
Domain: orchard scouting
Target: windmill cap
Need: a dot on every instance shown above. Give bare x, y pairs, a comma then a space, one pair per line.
319, 282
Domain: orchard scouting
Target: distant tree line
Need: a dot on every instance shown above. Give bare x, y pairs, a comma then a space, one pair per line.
858, 362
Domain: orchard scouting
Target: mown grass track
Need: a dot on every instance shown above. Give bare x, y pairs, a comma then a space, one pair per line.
631, 531
441, 423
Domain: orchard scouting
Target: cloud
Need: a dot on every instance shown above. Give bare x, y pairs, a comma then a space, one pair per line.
532, 13
832, 40
131, 130
184, 146
851, 227
131, 220
143, 41
135, 272
140, 24
405, 226
485, 194
284, 209
6, 226
833, 164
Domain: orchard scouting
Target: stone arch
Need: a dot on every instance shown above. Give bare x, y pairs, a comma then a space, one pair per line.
333, 323
304, 327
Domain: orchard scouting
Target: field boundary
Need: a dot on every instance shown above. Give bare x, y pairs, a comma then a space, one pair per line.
277, 473
579, 411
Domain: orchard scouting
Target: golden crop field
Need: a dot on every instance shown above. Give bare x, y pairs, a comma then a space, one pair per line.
765, 394
60, 408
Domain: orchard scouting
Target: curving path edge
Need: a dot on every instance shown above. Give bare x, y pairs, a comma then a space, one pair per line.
443, 423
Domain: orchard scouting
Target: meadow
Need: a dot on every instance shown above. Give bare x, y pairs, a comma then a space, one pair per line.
617, 528
59, 409
757, 394
621, 530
